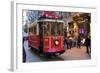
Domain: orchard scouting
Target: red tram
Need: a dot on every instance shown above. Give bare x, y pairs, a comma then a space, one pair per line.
46, 34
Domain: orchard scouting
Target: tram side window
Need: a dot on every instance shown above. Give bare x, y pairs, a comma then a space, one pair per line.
46, 28
30, 30
33, 30
61, 28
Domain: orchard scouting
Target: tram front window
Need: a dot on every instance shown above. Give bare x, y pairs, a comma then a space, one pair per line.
57, 29
52, 28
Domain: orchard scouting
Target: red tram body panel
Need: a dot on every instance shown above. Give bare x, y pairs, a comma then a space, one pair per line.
49, 44
34, 41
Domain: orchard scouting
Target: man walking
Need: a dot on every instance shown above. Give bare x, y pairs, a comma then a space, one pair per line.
87, 44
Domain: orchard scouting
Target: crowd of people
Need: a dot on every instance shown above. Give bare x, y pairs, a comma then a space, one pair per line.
69, 43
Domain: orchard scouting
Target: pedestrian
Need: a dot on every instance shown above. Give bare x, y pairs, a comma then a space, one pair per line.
78, 42
75, 42
70, 42
88, 44
25, 44
65, 43
24, 53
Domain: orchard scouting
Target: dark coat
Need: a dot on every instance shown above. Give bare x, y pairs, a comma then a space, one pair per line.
88, 42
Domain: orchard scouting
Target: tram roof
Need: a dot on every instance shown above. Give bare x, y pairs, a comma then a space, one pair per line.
51, 20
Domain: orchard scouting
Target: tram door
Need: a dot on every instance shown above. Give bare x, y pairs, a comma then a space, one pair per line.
41, 36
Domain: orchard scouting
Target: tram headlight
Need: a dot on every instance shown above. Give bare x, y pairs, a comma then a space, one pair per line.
56, 42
